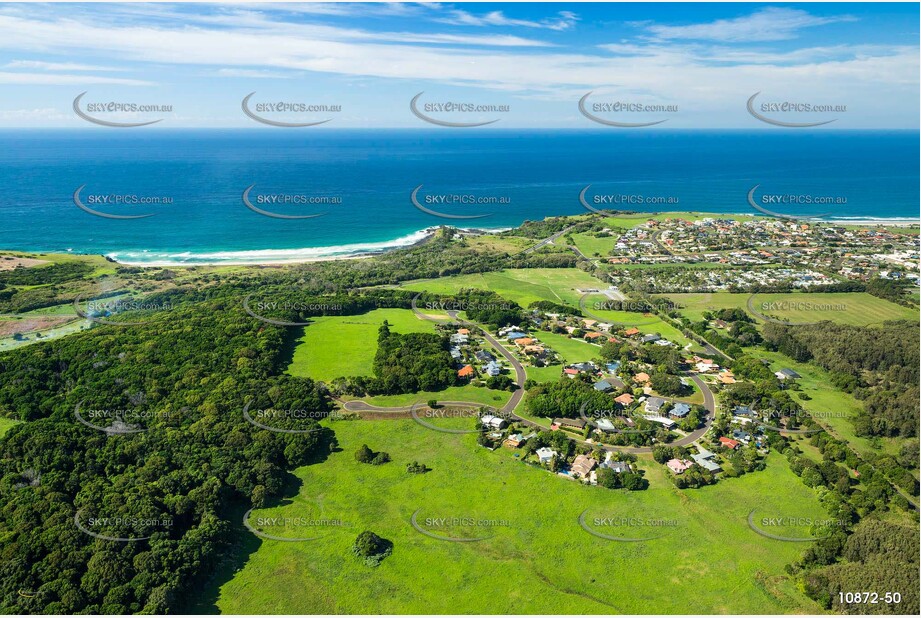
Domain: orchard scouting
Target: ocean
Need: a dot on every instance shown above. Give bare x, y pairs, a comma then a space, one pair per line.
361, 183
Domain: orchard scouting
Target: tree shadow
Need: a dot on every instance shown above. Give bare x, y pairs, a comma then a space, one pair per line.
203, 598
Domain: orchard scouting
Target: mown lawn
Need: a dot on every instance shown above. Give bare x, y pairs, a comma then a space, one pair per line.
336, 346
538, 560
474, 394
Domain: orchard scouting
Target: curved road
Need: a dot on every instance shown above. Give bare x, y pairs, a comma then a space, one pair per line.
508, 410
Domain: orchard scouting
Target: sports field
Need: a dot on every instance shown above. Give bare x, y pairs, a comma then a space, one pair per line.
536, 558
337, 346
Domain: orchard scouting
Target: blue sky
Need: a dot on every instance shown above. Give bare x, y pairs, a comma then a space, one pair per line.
539, 59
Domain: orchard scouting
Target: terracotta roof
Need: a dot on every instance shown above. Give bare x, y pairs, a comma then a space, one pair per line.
465, 372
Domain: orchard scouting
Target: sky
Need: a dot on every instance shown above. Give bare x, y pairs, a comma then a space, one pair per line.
529, 63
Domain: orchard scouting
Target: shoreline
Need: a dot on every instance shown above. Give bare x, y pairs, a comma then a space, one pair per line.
287, 257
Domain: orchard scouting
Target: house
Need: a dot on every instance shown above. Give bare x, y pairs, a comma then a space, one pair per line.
680, 410
678, 466
587, 366
545, 454
741, 436
572, 423
704, 459
582, 466
514, 441
650, 338
613, 366
463, 331
512, 336
495, 422
613, 464
742, 411
625, 400
641, 377
604, 386
571, 372
663, 342
537, 350
456, 353
593, 336
787, 374
666, 422
654, 404
605, 425
465, 372
493, 368
630, 332
459, 339
729, 443
726, 378
523, 342
705, 366
484, 356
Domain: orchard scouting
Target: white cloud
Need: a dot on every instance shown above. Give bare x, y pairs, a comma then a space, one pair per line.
59, 79
55, 66
768, 24
564, 20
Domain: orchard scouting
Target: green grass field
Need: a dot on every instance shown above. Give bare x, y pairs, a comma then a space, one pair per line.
854, 308
523, 286
833, 408
336, 346
539, 560
589, 244
474, 394
6, 424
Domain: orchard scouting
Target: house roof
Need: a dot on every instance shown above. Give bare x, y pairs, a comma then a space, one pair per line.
571, 422
641, 377
626, 399
593, 335
632, 331
465, 372
603, 385
728, 442
582, 465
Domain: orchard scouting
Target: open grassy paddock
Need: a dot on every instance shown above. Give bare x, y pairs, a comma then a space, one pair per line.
854, 308
336, 346
522, 286
536, 559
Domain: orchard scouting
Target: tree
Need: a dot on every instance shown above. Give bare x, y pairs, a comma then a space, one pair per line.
364, 454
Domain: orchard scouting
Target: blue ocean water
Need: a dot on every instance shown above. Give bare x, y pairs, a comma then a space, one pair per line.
525, 174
